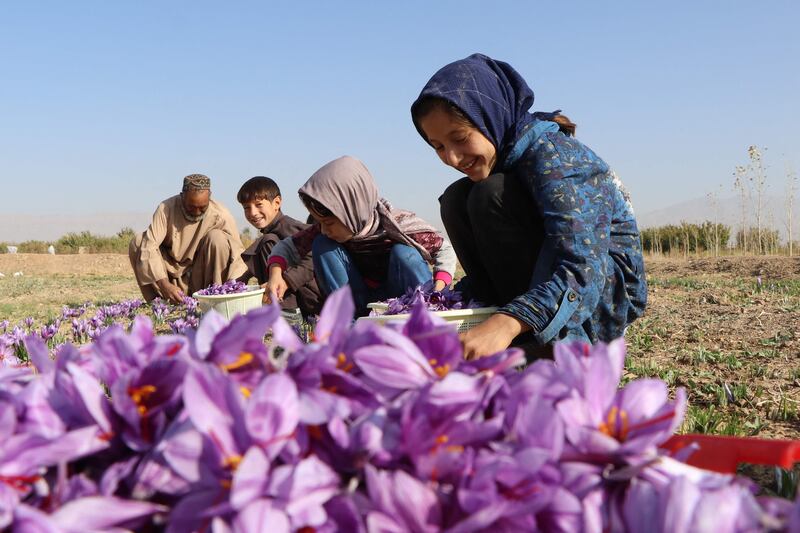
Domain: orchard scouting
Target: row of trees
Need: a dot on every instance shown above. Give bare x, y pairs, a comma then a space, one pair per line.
754, 232
708, 238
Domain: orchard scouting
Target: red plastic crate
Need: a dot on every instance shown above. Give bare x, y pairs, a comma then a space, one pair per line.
724, 454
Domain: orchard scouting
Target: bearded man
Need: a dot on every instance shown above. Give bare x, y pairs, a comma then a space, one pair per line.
191, 243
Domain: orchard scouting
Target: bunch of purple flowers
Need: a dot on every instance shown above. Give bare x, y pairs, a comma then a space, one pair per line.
229, 287
81, 326
444, 300
367, 428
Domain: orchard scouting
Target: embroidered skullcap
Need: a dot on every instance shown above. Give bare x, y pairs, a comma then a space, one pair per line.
196, 182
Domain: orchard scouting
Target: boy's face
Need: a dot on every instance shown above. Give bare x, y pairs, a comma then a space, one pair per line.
260, 212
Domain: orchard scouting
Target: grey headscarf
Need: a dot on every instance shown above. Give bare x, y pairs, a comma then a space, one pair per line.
347, 189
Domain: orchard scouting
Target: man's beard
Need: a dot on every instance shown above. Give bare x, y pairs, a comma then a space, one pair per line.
191, 218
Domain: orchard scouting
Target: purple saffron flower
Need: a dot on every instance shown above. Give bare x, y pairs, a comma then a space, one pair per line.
401, 502
672, 496
601, 420
94, 513
229, 287
142, 400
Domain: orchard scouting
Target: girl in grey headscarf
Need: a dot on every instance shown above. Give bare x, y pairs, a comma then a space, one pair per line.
360, 240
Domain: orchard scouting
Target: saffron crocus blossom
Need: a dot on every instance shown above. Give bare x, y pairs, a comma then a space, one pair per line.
668, 495
399, 502
142, 399
444, 420
237, 347
599, 419
91, 514
435, 338
504, 493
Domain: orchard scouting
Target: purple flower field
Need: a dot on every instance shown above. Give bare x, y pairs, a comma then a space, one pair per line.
105, 426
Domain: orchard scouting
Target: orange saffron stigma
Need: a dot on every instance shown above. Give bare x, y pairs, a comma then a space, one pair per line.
440, 370
343, 364
232, 462
139, 396
245, 358
616, 424
245, 391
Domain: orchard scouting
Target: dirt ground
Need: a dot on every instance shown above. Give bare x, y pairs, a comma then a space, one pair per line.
48, 265
742, 267
728, 330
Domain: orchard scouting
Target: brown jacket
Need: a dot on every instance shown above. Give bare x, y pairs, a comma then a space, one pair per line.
303, 291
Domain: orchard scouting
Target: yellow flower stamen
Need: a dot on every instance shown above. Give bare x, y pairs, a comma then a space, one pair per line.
232, 462
244, 359
616, 424
343, 364
441, 370
139, 396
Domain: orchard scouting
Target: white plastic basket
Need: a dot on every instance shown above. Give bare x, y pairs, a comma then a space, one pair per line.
462, 319
230, 305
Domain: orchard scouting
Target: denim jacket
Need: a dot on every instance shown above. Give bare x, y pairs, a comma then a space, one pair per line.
589, 281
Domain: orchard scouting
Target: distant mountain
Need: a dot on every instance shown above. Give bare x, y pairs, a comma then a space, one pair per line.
726, 211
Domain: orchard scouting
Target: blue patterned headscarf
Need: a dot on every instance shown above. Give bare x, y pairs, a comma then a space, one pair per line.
490, 93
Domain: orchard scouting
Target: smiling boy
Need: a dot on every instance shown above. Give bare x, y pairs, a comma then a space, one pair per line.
261, 201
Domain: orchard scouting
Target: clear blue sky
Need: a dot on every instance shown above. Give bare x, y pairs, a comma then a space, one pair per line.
106, 105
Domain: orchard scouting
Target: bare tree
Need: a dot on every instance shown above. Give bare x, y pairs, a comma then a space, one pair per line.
713, 201
741, 185
791, 190
759, 179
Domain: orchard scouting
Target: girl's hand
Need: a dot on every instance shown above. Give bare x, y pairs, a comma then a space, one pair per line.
275, 287
439, 285
491, 336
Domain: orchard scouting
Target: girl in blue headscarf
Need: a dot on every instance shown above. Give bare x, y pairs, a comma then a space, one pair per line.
541, 225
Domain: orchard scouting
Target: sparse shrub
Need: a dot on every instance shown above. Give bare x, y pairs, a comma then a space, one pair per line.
32, 247
72, 242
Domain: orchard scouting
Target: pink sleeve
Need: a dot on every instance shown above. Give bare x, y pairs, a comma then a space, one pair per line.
444, 276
